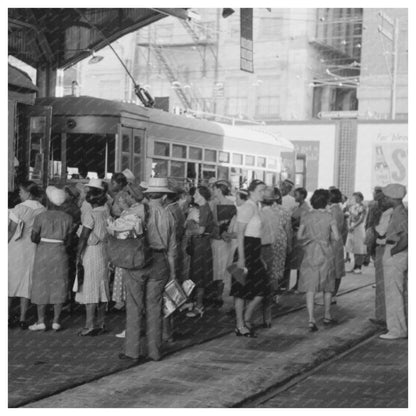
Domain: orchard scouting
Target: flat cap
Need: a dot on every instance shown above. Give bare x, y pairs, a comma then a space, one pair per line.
395, 191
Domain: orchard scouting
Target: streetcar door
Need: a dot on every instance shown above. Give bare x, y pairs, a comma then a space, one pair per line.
132, 150
37, 133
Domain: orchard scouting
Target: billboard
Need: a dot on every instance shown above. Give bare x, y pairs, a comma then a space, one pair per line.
389, 162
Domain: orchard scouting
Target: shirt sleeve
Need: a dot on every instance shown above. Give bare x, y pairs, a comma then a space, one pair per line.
88, 220
15, 214
245, 213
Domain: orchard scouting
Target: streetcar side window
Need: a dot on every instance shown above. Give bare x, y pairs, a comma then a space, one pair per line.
210, 155
237, 159
249, 160
195, 153
160, 168
161, 149
178, 151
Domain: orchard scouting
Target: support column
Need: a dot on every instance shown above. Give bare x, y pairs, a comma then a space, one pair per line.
46, 79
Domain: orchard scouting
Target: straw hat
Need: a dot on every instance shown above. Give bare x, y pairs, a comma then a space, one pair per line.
55, 195
129, 175
158, 185
95, 183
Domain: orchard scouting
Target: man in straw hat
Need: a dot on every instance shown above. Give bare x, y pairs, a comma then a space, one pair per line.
395, 263
148, 283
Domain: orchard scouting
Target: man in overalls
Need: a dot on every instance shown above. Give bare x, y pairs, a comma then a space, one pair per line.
395, 263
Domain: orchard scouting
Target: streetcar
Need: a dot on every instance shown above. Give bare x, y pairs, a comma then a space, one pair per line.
69, 139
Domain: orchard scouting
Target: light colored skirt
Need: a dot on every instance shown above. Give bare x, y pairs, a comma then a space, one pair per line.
95, 288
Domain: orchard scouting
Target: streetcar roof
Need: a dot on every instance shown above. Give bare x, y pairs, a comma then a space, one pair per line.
91, 106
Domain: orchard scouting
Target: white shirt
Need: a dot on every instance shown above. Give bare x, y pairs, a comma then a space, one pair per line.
249, 214
289, 203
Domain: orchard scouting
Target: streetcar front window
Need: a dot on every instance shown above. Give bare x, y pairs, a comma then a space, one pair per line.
90, 156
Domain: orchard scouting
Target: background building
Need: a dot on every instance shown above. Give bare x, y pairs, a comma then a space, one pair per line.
305, 61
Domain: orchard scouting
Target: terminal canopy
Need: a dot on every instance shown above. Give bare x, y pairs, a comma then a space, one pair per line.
59, 38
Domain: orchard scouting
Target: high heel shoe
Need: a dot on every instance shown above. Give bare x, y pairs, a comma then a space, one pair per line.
195, 312
251, 329
330, 321
312, 327
242, 332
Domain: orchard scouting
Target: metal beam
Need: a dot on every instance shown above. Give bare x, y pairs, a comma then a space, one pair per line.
179, 13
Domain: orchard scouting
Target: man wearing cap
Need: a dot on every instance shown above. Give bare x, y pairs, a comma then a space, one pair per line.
380, 229
145, 287
395, 262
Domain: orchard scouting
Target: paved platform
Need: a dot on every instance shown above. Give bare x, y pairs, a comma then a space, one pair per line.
222, 372
374, 375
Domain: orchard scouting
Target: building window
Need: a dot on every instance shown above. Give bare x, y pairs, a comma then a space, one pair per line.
195, 153
210, 155
161, 149
261, 162
179, 151
159, 168
237, 159
223, 157
250, 160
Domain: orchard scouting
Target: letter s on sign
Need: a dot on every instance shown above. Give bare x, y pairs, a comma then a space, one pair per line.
398, 156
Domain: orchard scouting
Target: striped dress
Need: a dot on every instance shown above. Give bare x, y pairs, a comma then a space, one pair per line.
95, 288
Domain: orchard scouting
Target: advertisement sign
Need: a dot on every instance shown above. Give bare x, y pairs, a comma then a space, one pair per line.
389, 163
246, 40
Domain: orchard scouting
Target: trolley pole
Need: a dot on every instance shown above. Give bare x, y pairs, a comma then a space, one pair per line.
393, 37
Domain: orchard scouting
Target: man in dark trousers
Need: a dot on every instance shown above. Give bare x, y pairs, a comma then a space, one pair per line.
145, 287
395, 263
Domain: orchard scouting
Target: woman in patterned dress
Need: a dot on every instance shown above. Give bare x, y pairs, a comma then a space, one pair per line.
335, 199
317, 274
275, 233
21, 252
283, 245
356, 232
94, 292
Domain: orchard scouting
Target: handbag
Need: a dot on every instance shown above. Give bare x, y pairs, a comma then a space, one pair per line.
130, 253
239, 274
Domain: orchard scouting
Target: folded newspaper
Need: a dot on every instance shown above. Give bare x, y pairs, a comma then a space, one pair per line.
176, 295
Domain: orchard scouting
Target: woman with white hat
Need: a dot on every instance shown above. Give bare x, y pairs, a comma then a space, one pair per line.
51, 232
94, 292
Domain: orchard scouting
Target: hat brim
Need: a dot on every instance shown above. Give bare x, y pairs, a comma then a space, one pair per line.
93, 186
162, 190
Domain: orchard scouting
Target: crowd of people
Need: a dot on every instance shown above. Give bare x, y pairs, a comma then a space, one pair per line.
239, 244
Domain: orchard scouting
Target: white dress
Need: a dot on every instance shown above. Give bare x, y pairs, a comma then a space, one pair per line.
95, 288
21, 250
